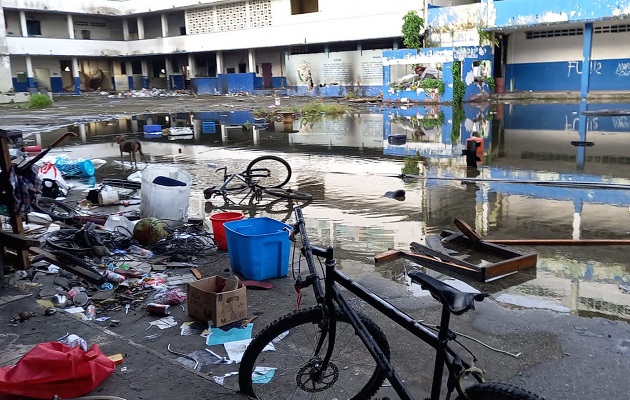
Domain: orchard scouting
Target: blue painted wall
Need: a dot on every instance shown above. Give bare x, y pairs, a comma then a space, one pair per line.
515, 13
177, 82
225, 118
56, 84
279, 81
335, 91
19, 86
604, 75
236, 83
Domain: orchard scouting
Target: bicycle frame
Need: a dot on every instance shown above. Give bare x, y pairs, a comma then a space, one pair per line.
331, 296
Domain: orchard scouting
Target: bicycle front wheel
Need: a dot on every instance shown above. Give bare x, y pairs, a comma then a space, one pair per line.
497, 391
287, 372
269, 171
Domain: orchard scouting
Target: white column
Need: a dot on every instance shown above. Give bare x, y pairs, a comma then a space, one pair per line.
192, 71
140, 28
164, 25
70, 26
29, 67
125, 27
219, 56
129, 69
252, 61
168, 67
6, 83
75, 75
23, 23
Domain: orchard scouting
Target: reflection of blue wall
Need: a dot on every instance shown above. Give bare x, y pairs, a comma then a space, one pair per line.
225, 118
335, 91
593, 196
560, 117
566, 75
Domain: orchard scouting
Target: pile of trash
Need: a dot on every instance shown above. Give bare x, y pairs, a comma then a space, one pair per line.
154, 92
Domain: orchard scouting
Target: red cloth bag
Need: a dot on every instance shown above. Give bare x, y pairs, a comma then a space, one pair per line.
52, 368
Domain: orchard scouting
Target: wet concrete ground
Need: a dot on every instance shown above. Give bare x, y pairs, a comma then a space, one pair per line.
563, 356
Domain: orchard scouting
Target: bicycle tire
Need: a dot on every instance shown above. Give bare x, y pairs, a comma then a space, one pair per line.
288, 194
57, 210
64, 240
497, 391
351, 369
269, 171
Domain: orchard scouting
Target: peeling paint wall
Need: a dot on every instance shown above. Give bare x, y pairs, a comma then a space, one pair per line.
515, 13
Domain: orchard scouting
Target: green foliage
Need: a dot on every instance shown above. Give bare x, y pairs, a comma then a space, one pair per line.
350, 95
430, 123
432, 84
38, 100
266, 113
459, 87
412, 165
459, 116
487, 37
490, 81
317, 107
410, 31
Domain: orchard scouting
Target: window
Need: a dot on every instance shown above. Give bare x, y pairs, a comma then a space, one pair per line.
123, 68
33, 27
304, 6
242, 68
182, 30
85, 34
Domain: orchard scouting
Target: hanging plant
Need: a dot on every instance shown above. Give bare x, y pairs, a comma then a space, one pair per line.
459, 87
412, 23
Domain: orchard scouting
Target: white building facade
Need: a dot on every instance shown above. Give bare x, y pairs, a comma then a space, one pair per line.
318, 47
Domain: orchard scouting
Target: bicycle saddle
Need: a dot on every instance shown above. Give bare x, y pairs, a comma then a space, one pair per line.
456, 301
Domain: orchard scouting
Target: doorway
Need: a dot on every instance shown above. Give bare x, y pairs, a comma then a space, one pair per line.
266, 76
42, 75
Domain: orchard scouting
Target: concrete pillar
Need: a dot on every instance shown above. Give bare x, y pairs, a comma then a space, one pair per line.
395, 45
75, 75
30, 75
125, 27
70, 26
164, 25
224, 133
219, 57
168, 68
586, 66
251, 58
6, 83
192, 71
140, 28
82, 133
577, 220
129, 69
23, 23
145, 74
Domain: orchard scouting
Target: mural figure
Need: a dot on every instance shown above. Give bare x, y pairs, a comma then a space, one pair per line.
304, 74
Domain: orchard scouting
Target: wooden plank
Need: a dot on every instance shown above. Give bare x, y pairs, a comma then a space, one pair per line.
505, 267
428, 262
15, 219
17, 242
467, 230
388, 255
482, 245
87, 274
560, 242
422, 249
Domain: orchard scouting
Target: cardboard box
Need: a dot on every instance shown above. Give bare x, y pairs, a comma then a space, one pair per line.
207, 303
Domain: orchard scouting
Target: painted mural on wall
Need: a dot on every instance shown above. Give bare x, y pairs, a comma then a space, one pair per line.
344, 71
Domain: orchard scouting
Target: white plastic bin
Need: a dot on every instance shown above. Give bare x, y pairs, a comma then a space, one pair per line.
160, 200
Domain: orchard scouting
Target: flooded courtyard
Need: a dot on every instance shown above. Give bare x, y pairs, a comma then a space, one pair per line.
352, 163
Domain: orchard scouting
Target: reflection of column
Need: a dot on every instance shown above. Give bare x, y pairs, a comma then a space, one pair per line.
577, 219
38, 139
134, 124
192, 71
145, 74
82, 133
70, 26
196, 123
30, 75
251, 57
255, 135
164, 25
582, 128
75, 75
125, 28
23, 23
224, 135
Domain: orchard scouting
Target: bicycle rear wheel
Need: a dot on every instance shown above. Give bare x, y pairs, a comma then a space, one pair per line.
57, 210
269, 171
288, 194
497, 391
286, 372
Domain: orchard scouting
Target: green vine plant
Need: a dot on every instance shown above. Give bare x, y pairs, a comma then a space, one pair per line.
432, 84
410, 31
487, 37
459, 87
459, 116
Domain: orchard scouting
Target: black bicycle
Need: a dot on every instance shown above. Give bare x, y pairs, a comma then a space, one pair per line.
263, 175
331, 351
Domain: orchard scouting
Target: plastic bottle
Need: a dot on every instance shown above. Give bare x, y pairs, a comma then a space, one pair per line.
113, 277
133, 249
90, 312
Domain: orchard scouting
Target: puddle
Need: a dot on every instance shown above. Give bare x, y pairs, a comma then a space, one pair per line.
350, 163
